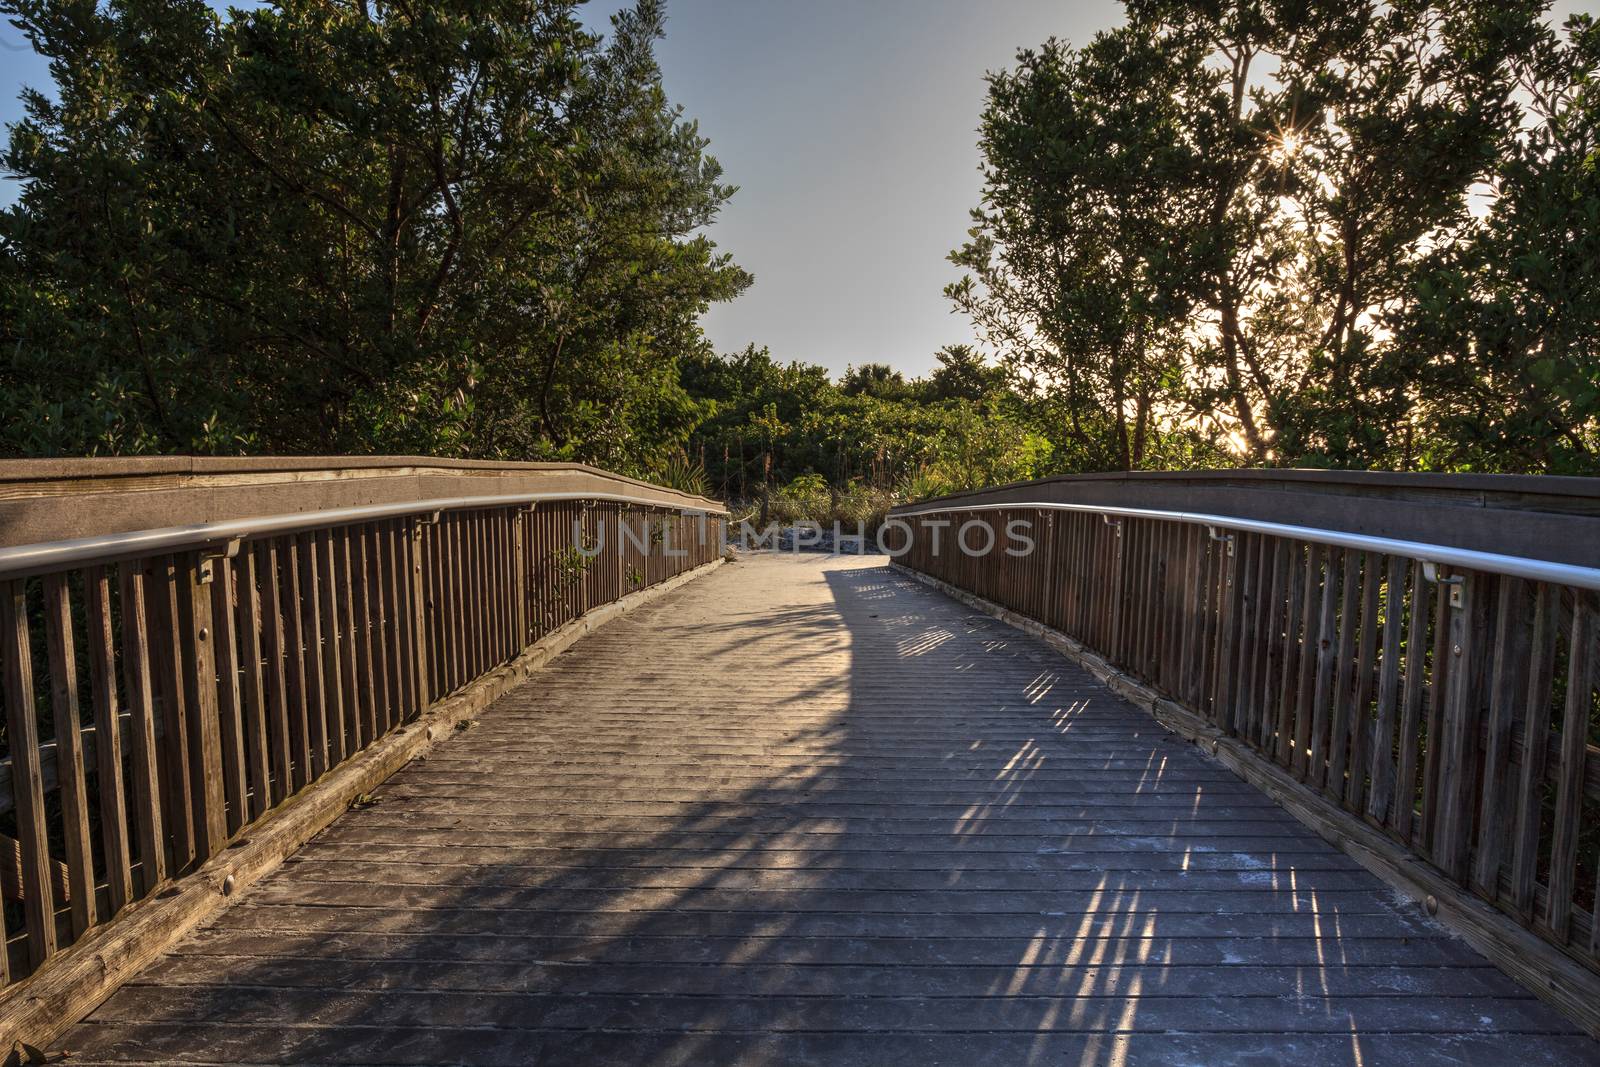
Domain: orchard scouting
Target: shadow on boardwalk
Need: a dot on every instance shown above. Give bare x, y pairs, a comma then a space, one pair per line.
807, 812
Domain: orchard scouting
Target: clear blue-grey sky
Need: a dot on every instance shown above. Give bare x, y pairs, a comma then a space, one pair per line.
850, 128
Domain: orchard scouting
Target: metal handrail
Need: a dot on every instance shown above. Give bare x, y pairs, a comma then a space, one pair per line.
1465, 558
60, 555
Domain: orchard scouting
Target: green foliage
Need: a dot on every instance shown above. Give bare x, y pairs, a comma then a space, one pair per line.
466, 228
678, 471
768, 424
1246, 231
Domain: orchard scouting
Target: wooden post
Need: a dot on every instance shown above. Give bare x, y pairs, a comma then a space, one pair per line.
69, 753
419, 600
226, 651
27, 778
108, 739
205, 749
142, 735
1570, 771
1454, 809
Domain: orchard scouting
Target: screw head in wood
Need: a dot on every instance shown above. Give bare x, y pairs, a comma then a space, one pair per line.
204, 633
1430, 904
228, 886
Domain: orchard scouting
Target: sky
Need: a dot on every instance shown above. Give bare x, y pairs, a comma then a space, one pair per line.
850, 127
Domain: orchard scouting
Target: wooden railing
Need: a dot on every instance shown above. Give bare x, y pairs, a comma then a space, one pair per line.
1426, 683
164, 690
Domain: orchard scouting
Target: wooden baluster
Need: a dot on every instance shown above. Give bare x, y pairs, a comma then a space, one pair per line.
1366, 663
1290, 661
27, 777
1232, 603
71, 781
1382, 766
230, 698
414, 560
257, 710
519, 571
1438, 688
407, 634
341, 544
1306, 652
295, 662
205, 727
167, 644
1458, 743
1570, 767
1535, 746
108, 739
1327, 659
361, 595
322, 698
142, 754
1509, 685
330, 651
313, 657
1344, 676
1272, 642
280, 660
1405, 799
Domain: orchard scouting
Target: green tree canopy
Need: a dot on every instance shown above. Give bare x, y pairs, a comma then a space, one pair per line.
467, 226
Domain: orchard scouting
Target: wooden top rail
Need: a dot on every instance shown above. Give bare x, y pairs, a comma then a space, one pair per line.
1492, 562
57, 555
1526, 516
46, 500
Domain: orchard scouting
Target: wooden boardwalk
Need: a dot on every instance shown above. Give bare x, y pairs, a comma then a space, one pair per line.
806, 811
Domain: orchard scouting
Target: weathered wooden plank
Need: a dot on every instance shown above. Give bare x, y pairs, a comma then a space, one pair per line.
1582, 655
1327, 664
1535, 745
142, 754
1460, 730
256, 705
363, 594
1366, 662
343, 566
1443, 668
1405, 802
295, 652
205, 726
1509, 684
168, 643
230, 693
108, 739
71, 781
1382, 767
1289, 660
22, 736
314, 656
279, 666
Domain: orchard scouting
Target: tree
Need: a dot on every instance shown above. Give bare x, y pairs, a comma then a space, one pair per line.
1251, 221
1332, 177
875, 379
456, 228
1077, 272
1503, 335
